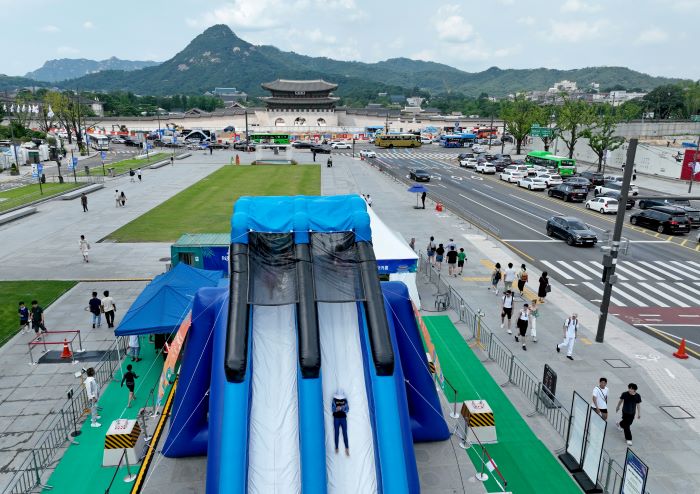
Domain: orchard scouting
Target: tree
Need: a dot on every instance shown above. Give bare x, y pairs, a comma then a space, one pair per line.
600, 132
573, 116
666, 102
518, 117
60, 104
546, 114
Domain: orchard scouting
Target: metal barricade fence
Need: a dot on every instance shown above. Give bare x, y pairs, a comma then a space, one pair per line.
29, 474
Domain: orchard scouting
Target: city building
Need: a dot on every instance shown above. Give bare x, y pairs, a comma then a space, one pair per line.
299, 104
229, 95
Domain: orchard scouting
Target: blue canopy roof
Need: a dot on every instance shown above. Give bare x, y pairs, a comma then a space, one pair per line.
163, 304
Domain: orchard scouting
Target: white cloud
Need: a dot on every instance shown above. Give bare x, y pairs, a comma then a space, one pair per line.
576, 31
88, 25
651, 36
244, 14
451, 26
527, 20
579, 6
67, 50
49, 29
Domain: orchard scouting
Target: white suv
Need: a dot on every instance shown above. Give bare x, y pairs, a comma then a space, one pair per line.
340, 145
513, 173
613, 185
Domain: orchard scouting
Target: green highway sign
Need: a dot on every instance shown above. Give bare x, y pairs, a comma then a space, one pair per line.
537, 131
695, 118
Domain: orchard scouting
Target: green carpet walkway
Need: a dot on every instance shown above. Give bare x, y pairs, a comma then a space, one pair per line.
80, 470
524, 461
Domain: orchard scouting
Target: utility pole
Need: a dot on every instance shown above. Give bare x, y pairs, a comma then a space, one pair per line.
491, 129
386, 124
246, 128
610, 259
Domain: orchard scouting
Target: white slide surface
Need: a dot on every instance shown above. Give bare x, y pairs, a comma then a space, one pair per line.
273, 462
342, 368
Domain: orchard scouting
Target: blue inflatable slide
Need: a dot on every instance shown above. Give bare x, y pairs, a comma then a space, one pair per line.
305, 318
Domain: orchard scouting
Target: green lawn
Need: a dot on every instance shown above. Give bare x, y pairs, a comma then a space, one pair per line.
12, 292
25, 194
206, 206
124, 165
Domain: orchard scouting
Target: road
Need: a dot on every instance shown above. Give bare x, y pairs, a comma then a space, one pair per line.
659, 276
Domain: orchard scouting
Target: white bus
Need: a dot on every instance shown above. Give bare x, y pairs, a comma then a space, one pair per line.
99, 142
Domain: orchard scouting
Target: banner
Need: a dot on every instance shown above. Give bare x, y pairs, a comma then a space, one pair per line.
577, 427
691, 161
594, 446
173, 353
634, 476
430, 348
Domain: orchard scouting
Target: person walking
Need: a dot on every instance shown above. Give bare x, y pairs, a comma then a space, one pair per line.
23, 312
211, 150
313, 154
461, 257
138, 174
83, 202
122, 198
129, 378
431, 248
522, 323
109, 308
37, 317
451, 245
369, 200
522, 279
340, 409
600, 398
172, 161
84, 247
422, 198
329, 163
95, 307
452, 262
631, 401
134, 347
570, 332
117, 199
543, 288
534, 314
509, 277
507, 309
132, 175
93, 393
439, 254
496, 277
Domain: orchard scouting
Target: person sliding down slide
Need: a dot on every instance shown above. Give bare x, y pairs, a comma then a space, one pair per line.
340, 409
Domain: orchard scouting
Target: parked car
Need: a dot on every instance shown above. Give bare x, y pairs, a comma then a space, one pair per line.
507, 158
550, 179
580, 182
532, 183
513, 173
321, 149
649, 203
426, 140
616, 195
116, 140
302, 145
572, 230
464, 156
662, 219
692, 213
244, 146
490, 157
595, 177
131, 143
478, 148
568, 192
468, 163
614, 186
419, 175
341, 145
500, 165
485, 167
603, 204
366, 153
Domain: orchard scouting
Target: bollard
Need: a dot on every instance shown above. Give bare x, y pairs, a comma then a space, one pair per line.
129, 477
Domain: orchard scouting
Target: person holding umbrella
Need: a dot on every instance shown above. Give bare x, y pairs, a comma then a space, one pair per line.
421, 192
422, 198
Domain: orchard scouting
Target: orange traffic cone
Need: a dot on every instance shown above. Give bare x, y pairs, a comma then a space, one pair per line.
66, 350
681, 351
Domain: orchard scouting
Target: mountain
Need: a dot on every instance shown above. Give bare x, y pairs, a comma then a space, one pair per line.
71, 68
219, 58
9, 82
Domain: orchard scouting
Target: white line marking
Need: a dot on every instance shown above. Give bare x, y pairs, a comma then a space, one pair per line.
499, 213
530, 240
685, 268
595, 272
674, 326
485, 185
669, 373
600, 291
680, 293
688, 315
511, 206
650, 315
650, 265
662, 294
677, 272
574, 270
629, 297
556, 269
655, 302
629, 272
686, 286
694, 263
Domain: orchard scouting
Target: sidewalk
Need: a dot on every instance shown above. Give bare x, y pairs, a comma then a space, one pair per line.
670, 446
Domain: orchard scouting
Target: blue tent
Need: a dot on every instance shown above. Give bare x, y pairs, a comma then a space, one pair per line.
163, 304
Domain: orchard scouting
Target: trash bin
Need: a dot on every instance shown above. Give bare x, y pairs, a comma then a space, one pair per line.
87, 170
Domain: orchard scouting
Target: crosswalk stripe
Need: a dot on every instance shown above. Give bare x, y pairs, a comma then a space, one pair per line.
557, 270
599, 290
623, 293
686, 286
629, 272
596, 274
676, 271
662, 294
685, 267
652, 266
574, 270
655, 302
697, 264
680, 293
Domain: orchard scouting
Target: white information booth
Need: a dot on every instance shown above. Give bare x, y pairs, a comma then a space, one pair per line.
122, 435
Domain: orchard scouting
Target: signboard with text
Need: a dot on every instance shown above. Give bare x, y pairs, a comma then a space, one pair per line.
537, 131
634, 476
691, 161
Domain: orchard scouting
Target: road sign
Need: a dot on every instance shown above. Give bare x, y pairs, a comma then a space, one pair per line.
35, 170
537, 131
40, 168
103, 155
73, 163
695, 118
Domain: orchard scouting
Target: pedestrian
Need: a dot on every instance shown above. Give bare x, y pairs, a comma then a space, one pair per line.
329, 163
509, 277
83, 202
134, 348
340, 409
522, 279
451, 245
23, 312
600, 398
313, 154
129, 378
570, 332
122, 198
211, 150
95, 307
507, 309
84, 247
496, 277
37, 316
439, 254
93, 392
452, 261
461, 257
544, 288
117, 199
132, 174
534, 314
138, 174
412, 244
369, 200
422, 198
631, 401
431, 249
109, 308
172, 161
521, 323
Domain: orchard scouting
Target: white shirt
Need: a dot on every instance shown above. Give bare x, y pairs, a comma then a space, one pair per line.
509, 275
507, 302
91, 388
600, 396
571, 325
524, 314
451, 246
134, 341
84, 245
108, 304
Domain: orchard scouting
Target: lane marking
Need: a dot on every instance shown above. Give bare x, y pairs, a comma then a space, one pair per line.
600, 292
649, 266
650, 315
684, 266
662, 294
531, 241
557, 270
596, 273
670, 337
677, 271
629, 297
499, 213
670, 374
576, 271
688, 315
542, 218
680, 293
655, 302
629, 272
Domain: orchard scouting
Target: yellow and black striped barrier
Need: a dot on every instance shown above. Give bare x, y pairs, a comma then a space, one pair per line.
121, 441
481, 420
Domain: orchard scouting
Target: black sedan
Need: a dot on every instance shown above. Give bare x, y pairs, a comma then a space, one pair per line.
568, 192
594, 177
244, 146
302, 145
321, 149
663, 219
572, 230
579, 181
500, 165
616, 195
419, 175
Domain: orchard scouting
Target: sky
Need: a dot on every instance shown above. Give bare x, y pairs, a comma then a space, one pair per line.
654, 37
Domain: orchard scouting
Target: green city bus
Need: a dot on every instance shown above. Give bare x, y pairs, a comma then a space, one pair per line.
269, 138
563, 166
397, 140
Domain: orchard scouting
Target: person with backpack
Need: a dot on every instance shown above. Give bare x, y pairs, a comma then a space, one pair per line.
522, 322
439, 254
129, 379
570, 332
507, 309
431, 251
495, 277
132, 174
522, 279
